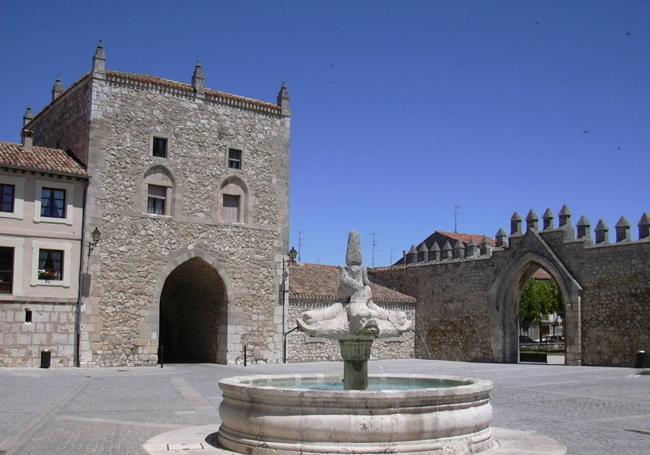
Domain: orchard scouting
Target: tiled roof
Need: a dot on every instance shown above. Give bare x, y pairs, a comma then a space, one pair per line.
465, 238
541, 274
316, 281
43, 159
441, 237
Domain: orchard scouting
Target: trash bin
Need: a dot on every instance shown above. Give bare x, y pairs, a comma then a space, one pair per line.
46, 358
642, 360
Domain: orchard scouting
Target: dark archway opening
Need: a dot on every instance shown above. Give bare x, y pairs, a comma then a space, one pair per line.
541, 317
193, 314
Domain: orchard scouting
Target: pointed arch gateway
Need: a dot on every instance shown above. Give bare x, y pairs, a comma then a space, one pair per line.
193, 311
505, 296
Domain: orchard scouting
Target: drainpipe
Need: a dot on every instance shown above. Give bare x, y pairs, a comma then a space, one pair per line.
77, 315
284, 310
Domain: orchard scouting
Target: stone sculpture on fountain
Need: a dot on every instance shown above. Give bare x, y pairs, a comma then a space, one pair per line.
356, 321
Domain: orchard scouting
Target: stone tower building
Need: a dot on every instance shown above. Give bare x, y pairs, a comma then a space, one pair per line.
189, 189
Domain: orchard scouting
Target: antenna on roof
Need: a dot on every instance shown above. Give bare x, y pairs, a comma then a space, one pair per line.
374, 244
456, 213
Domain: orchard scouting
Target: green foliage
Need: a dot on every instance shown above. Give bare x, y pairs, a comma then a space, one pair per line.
539, 298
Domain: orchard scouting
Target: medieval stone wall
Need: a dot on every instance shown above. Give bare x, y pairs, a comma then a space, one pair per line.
452, 315
464, 313
302, 348
64, 124
117, 116
133, 260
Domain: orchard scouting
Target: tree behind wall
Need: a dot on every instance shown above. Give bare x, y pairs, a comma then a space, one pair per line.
539, 298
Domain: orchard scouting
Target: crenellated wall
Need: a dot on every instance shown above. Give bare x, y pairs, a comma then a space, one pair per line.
467, 306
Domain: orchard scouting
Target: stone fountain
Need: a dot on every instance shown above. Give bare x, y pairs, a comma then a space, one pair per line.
294, 414
320, 414
356, 321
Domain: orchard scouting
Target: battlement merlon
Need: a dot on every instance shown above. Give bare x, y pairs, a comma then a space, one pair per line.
461, 251
147, 82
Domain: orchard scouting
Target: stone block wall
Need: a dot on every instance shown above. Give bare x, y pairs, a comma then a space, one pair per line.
467, 307
65, 122
51, 328
134, 259
453, 316
302, 348
119, 114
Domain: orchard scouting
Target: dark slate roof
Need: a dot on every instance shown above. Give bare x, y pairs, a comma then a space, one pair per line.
316, 281
441, 237
41, 159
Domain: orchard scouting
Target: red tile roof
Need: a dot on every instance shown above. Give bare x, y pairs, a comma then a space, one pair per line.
316, 281
465, 238
541, 274
42, 159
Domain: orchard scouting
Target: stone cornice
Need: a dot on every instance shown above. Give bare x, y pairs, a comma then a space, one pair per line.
143, 82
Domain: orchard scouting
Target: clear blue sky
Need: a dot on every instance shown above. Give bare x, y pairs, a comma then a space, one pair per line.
401, 109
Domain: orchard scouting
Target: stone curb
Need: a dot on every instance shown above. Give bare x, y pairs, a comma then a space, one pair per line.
197, 440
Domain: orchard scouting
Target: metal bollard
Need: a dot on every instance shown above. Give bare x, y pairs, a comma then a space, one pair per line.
161, 355
244, 355
641, 360
46, 358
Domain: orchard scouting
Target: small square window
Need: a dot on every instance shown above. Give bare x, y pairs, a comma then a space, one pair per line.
53, 202
159, 147
230, 208
234, 159
156, 199
6, 270
7, 194
50, 265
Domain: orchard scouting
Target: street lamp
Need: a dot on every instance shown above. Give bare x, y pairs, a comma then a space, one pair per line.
96, 237
293, 254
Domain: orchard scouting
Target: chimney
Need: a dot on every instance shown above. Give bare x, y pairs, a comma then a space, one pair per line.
27, 139
27, 117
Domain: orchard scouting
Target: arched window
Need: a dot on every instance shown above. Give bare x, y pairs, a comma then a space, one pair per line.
233, 201
159, 190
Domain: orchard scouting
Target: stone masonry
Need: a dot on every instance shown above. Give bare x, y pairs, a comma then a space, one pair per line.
108, 119
467, 306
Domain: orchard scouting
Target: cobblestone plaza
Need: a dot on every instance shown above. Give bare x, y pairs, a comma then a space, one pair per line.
592, 410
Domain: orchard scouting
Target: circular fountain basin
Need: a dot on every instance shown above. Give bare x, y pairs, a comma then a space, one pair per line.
312, 414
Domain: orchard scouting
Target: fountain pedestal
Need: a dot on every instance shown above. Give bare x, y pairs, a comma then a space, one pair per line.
355, 353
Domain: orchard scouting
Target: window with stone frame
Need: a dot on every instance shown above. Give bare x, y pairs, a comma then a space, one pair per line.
7, 196
6, 270
234, 159
231, 208
156, 200
50, 265
53, 202
159, 147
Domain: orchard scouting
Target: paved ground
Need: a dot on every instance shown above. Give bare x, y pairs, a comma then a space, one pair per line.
115, 410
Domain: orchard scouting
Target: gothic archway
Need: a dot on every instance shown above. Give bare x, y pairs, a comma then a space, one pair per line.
193, 313
505, 295
541, 315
